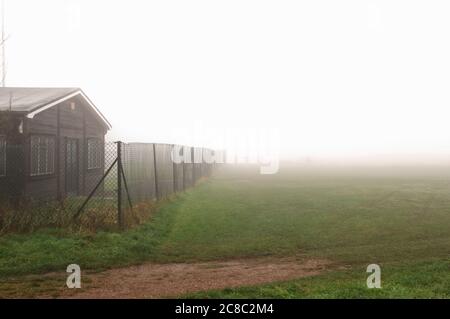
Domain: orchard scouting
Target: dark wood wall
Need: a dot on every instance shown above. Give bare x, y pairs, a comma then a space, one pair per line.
37, 187
93, 128
12, 184
62, 122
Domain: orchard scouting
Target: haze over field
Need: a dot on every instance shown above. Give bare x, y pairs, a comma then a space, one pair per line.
332, 80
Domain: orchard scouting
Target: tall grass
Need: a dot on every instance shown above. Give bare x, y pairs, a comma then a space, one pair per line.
101, 214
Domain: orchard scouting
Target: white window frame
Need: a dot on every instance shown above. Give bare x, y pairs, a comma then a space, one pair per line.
3, 147
49, 169
94, 155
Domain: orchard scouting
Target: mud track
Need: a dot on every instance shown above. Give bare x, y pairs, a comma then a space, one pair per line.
168, 280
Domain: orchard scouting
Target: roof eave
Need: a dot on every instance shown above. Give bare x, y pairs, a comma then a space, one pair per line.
30, 114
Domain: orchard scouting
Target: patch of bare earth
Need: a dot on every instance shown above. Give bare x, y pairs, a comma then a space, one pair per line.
165, 280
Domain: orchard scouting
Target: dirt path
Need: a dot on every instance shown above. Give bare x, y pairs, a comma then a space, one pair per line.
165, 280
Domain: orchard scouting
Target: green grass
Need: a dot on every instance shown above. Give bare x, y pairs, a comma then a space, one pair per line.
398, 218
355, 218
52, 250
419, 280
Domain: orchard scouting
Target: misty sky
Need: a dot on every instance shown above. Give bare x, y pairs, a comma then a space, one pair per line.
334, 78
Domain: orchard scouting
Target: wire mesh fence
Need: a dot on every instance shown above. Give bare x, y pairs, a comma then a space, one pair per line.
119, 189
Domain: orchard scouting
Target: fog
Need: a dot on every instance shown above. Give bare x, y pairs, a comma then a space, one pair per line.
316, 81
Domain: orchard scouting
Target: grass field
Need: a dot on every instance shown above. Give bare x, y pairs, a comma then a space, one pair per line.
398, 218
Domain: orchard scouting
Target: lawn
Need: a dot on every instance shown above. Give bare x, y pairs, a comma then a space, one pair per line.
411, 280
396, 217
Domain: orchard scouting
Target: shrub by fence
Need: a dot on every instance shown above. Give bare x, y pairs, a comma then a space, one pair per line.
124, 190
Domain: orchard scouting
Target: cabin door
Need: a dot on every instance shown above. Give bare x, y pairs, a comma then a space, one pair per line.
72, 172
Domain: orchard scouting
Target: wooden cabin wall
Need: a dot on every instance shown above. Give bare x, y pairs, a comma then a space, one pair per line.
13, 183
94, 129
63, 122
40, 187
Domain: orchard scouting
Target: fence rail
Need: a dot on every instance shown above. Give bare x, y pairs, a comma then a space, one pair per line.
120, 192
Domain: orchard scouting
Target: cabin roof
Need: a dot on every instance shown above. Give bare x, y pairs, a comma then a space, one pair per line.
32, 101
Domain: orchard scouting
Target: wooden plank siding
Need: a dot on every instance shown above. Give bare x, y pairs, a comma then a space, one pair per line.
63, 122
40, 187
12, 183
93, 128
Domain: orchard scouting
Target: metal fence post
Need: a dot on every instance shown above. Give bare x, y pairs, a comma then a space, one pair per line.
184, 170
155, 172
174, 172
183, 166
193, 166
119, 184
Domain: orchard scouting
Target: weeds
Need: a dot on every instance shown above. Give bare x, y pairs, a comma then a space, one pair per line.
26, 217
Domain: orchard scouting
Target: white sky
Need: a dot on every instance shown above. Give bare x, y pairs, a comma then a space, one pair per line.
334, 77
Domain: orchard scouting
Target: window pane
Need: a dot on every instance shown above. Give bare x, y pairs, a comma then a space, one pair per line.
98, 154
94, 153
42, 155
51, 155
34, 155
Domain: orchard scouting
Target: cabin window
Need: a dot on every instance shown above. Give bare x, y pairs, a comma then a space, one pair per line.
42, 155
94, 153
2, 155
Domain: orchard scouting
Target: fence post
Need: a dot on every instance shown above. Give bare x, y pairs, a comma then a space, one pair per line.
119, 184
174, 172
155, 172
193, 165
183, 167
184, 170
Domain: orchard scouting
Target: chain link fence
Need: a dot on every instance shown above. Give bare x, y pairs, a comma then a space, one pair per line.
120, 189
